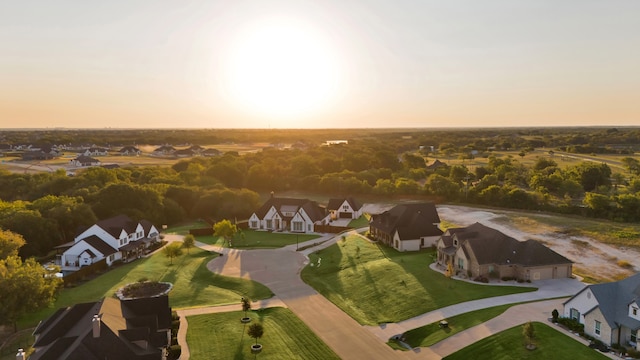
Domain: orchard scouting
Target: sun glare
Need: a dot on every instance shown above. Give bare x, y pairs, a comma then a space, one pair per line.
281, 68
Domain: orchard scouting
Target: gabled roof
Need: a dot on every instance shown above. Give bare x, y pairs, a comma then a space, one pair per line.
129, 148
100, 245
334, 204
614, 299
313, 210
436, 164
68, 334
490, 246
116, 224
411, 221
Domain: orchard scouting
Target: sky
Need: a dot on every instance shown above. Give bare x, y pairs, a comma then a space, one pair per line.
319, 64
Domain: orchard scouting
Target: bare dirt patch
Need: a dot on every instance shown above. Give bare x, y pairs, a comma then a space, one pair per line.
593, 260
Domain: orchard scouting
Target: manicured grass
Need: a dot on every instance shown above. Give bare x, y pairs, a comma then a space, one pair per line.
22, 341
222, 336
510, 344
360, 222
257, 239
376, 284
430, 334
183, 229
193, 284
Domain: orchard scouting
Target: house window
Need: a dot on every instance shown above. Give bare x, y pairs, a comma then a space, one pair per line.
634, 336
269, 224
597, 328
460, 263
297, 225
254, 224
309, 227
345, 207
635, 311
574, 314
455, 242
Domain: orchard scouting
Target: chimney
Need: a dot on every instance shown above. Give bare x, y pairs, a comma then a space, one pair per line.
272, 194
21, 355
95, 323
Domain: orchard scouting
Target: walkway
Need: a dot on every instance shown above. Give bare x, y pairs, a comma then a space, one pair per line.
279, 269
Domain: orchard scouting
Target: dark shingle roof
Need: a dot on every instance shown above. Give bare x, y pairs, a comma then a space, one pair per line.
490, 246
116, 224
411, 221
68, 333
334, 204
100, 245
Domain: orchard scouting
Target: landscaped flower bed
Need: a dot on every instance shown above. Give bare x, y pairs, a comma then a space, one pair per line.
143, 289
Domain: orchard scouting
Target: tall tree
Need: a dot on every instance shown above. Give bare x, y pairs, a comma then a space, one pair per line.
10, 243
188, 242
24, 285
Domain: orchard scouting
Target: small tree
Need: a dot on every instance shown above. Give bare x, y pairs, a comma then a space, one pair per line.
172, 250
246, 305
554, 315
188, 242
529, 333
225, 229
256, 331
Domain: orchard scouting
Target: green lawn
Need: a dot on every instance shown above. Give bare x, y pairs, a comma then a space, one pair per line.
376, 284
360, 222
509, 344
183, 229
222, 336
193, 284
430, 334
250, 239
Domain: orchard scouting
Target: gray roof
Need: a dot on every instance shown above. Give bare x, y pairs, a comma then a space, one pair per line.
614, 299
67, 334
490, 246
411, 221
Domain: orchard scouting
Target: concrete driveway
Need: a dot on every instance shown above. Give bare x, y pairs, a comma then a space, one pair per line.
279, 269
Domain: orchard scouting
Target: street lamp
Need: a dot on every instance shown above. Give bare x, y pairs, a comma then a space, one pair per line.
296, 242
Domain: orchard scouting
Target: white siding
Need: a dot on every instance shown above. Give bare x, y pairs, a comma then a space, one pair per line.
583, 302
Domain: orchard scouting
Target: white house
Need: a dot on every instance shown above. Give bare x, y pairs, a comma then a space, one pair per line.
610, 312
95, 151
83, 161
289, 214
117, 238
345, 208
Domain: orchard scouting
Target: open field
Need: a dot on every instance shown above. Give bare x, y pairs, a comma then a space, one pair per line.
285, 337
193, 284
375, 284
510, 344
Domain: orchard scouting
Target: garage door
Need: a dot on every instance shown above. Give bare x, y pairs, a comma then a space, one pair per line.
345, 215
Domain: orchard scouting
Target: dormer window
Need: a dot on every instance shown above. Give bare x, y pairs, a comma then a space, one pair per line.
634, 310
455, 242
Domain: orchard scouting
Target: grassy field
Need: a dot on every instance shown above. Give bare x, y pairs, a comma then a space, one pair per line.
509, 344
183, 229
193, 284
22, 341
285, 337
430, 334
362, 221
250, 239
376, 284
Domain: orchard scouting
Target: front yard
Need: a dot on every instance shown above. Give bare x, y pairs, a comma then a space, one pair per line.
193, 284
285, 337
251, 239
376, 284
509, 344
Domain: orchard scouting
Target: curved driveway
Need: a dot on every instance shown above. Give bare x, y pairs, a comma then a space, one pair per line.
279, 269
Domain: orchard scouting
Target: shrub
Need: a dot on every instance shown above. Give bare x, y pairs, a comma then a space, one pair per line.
555, 315
481, 279
625, 264
174, 352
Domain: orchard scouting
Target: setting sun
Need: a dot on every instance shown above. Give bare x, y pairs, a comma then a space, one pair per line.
281, 68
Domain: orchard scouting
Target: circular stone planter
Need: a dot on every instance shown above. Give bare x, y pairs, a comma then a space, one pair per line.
531, 347
256, 348
245, 320
144, 289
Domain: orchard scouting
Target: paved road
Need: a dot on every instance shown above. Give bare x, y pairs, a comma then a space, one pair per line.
279, 269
